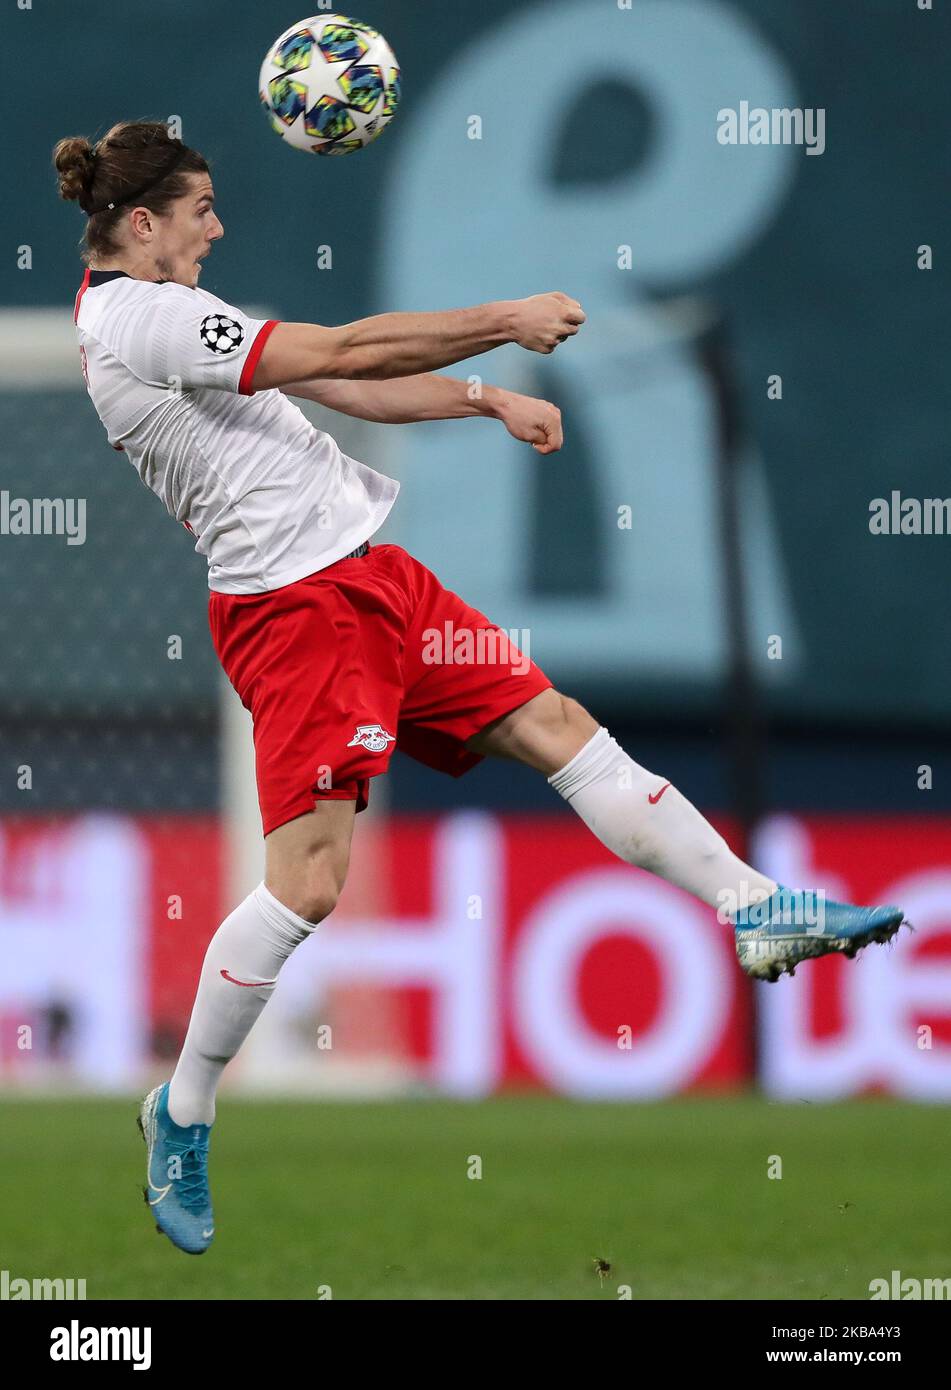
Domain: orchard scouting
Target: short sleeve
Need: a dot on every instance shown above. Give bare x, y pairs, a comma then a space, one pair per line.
186, 338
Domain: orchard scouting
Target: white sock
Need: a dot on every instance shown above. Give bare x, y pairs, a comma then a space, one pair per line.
667, 836
251, 946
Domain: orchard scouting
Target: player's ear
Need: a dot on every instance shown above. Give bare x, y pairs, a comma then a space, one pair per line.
140, 220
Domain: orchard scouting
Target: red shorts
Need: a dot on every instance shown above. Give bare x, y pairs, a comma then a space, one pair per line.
366, 655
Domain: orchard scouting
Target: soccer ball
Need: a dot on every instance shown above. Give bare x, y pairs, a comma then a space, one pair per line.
330, 84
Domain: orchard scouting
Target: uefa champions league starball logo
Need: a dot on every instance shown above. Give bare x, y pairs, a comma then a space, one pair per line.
221, 334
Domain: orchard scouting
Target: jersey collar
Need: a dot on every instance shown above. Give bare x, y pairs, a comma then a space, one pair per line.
102, 277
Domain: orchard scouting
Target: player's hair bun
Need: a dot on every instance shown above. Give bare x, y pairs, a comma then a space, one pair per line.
75, 162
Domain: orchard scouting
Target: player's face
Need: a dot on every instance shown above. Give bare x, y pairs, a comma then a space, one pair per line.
187, 232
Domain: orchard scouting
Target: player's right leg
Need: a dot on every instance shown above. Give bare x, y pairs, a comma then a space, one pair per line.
648, 823
305, 869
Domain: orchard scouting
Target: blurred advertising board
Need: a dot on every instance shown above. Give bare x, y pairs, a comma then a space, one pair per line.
509, 952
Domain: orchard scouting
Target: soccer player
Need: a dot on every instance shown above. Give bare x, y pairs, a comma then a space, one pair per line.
321, 633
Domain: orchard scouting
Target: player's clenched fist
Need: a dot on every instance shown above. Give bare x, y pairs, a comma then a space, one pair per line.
536, 422
543, 321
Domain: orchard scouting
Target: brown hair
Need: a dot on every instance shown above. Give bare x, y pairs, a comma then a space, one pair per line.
136, 163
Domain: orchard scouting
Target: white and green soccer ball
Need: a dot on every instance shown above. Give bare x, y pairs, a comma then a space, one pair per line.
330, 84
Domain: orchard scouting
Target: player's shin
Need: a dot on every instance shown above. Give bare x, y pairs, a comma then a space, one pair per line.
647, 822
238, 977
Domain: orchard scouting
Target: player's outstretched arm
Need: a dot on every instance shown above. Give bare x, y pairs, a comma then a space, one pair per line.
402, 401
431, 397
404, 344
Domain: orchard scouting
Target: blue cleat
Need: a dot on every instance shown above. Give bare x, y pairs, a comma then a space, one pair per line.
177, 1190
774, 936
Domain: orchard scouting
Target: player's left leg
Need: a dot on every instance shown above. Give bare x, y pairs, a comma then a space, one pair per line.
649, 823
306, 863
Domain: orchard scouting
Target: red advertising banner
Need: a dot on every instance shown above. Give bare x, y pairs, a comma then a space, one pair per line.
500, 952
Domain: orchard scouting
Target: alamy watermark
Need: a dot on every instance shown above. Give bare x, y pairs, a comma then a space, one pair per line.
777, 125
909, 1290
786, 908
43, 516
909, 516
76, 1343
19, 1290
485, 646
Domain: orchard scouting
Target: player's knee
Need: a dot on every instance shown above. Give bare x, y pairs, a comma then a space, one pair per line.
566, 716
551, 730
550, 712
314, 902
572, 712
311, 890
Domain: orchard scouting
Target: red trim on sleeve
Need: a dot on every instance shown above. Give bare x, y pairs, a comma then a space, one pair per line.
254, 356
82, 290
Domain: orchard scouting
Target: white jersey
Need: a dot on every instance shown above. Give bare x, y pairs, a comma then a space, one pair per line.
268, 497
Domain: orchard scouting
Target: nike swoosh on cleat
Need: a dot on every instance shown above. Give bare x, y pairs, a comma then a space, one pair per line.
206, 1235
247, 984
155, 1187
657, 795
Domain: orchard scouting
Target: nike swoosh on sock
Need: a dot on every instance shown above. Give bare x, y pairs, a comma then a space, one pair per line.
247, 984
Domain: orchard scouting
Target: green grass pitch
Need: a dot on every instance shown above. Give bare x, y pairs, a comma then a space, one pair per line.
374, 1201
